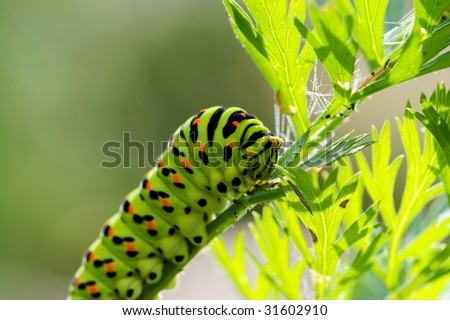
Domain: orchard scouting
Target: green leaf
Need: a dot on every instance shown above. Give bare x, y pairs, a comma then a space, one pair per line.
422, 170
438, 128
362, 227
303, 183
337, 209
436, 118
418, 55
273, 44
338, 149
408, 62
437, 231
428, 14
437, 267
251, 38
380, 180
445, 177
440, 63
431, 290
293, 229
362, 263
419, 174
333, 46
291, 154
436, 41
273, 242
235, 266
367, 21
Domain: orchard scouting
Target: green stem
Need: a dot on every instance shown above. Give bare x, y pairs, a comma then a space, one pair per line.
227, 218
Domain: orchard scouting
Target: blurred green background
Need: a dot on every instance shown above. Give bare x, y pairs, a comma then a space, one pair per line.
76, 74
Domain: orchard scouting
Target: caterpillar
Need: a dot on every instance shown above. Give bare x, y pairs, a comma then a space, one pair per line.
215, 157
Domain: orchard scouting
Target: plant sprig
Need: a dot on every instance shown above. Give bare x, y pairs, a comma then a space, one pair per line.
322, 214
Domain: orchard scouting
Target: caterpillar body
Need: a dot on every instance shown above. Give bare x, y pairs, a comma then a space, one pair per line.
216, 156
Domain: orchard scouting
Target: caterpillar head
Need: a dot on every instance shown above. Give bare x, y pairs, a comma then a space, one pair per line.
260, 153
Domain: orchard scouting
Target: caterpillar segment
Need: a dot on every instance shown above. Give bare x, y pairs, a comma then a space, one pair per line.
124, 242
216, 156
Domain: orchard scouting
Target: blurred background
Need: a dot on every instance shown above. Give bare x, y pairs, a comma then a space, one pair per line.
76, 74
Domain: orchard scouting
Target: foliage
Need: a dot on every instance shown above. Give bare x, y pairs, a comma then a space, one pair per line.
321, 239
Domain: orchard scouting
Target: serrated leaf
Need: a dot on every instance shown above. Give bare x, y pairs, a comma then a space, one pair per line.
358, 230
234, 264
338, 149
295, 232
419, 175
431, 290
436, 268
292, 153
380, 181
436, 41
438, 230
408, 62
365, 258
303, 182
435, 119
273, 43
328, 190
273, 243
367, 21
439, 63
419, 54
428, 13
354, 207
250, 37
334, 47
338, 207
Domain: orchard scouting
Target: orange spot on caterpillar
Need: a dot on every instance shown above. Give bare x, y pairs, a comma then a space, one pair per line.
160, 164
176, 179
236, 123
165, 202
92, 289
201, 146
131, 246
76, 282
243, 115
148, 185
150, 225
230, 144
185, 163
196, 121
110, 232
251, 153
91, 257
110, 267
131, 209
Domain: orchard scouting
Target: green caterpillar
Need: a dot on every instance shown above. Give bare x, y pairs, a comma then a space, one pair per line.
217, 155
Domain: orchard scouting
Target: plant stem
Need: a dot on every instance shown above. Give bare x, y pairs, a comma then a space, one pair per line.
227, 218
